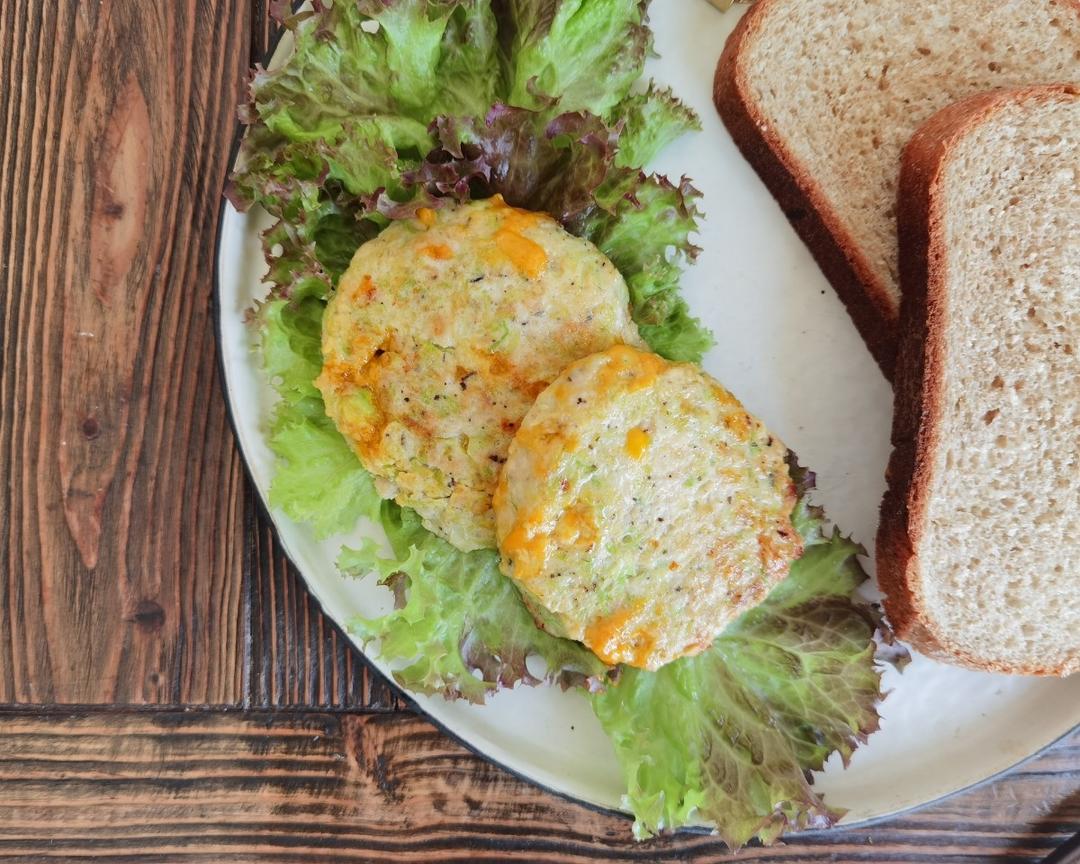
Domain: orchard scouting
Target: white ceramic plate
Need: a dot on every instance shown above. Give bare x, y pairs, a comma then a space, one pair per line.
785, 345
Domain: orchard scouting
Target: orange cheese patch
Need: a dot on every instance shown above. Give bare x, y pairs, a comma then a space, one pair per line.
364, 290
515, 218
527, 545
427, 216
615, 639
630, 369
576, 528
547, 447
338, 375
547, 440
644, 643
528, 257
438, 251
637, 441
739, 423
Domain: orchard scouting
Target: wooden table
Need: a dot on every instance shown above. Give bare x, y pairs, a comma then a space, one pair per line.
170, 690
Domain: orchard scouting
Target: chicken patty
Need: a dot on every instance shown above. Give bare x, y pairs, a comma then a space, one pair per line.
439, 337
642, 508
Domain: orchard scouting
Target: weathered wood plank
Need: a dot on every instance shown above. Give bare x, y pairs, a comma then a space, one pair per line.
120, 568
338, 787
297, 656
133, 565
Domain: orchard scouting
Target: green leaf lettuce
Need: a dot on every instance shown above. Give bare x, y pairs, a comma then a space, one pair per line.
727, 737
584, 53
652, 120
317, 477
456, 615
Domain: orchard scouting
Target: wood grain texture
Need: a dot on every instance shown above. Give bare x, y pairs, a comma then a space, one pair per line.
134, 567
296, 656
336, 787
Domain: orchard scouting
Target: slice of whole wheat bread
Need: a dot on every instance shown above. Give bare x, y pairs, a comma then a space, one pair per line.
822, 95
978, 550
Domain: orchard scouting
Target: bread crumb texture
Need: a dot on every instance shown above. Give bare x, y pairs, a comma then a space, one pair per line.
1000, 549
845, 83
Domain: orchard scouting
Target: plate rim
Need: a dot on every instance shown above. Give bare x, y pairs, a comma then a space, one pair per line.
266, 512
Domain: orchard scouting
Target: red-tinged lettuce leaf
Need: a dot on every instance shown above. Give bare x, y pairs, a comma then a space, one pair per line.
306, 257
551, 164
294, 270
353, 101
728, 737
459, 627
340, 133
567, 166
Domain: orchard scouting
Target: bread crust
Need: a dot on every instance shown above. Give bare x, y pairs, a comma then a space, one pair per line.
800, 196
920, 370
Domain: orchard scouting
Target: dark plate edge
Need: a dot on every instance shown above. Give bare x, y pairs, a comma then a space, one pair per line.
264, 509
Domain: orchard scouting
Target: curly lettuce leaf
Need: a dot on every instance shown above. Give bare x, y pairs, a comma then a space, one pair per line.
336, 235
643, 220
459, 627
289, 341
294, 269
663, 316
353, 101
383, 107
644, 227
727, 737
317, 478
373, 152
651, 120
584, 54
441, 55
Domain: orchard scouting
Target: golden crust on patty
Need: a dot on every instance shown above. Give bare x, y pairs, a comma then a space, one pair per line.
642, 508
441, 334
